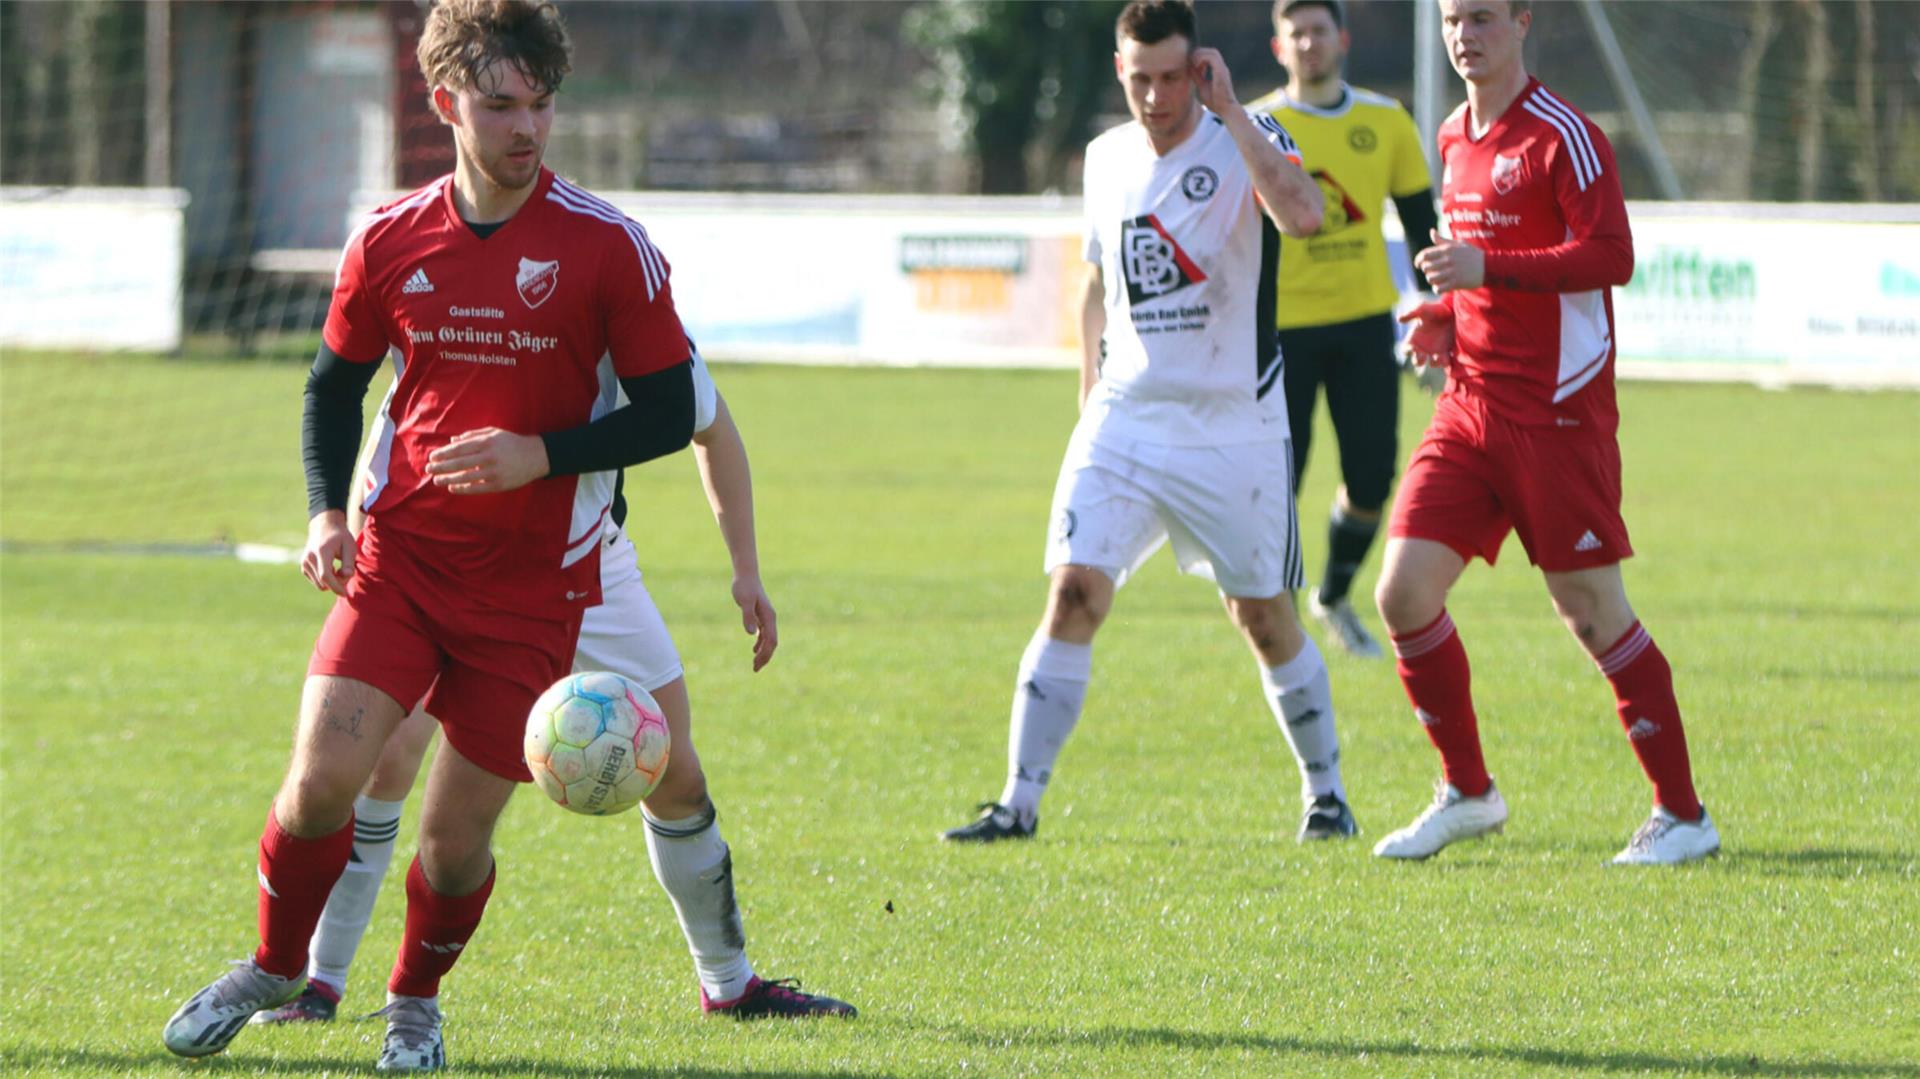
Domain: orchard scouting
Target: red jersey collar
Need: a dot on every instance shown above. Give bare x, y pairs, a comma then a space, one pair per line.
1533, 83
540, 188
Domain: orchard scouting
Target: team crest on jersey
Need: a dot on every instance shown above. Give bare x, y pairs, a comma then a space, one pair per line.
537, 280
1506, 174
1199, 184
1153, 263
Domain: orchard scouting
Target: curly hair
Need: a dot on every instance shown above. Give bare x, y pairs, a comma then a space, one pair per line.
463, 38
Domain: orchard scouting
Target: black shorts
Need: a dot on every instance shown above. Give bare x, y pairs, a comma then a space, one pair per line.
1355, 362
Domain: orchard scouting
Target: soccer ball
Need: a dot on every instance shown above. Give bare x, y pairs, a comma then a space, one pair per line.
597, 743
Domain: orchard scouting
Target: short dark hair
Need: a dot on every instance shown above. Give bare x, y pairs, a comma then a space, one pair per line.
1284, 8
463, 38
1152, 21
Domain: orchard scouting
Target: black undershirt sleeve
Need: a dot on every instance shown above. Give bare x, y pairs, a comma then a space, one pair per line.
330, 427
657, 420
1418, 218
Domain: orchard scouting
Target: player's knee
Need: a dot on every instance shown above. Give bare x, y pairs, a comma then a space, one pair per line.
456, 859
315, 802
1078, 604
682, 793
1405, 604
1366, 496
1269, 625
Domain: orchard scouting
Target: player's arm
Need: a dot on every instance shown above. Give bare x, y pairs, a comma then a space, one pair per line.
1290, 198
1421, 222
1598, 251
329, 446
1093, 329
722, 456
657, 420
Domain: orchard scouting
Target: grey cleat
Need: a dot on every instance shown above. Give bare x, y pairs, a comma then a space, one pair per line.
209, 1019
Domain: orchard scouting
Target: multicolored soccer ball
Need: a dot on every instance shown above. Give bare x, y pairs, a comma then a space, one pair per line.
597, 743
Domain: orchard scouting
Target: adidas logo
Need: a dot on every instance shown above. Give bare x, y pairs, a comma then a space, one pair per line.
1642, 729
1588, 542
417, 283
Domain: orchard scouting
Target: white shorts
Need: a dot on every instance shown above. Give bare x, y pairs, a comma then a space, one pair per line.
626, 634
1227, 509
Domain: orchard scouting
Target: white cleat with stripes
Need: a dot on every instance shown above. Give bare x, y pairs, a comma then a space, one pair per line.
1452, 817
1667, 840
210, 1018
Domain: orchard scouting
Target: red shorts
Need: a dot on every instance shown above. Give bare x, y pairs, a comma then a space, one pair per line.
1476, 476
410, 632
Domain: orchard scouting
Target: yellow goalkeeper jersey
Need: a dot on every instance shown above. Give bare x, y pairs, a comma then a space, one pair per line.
1362, 151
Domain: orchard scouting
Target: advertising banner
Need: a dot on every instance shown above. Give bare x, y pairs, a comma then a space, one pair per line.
91, 268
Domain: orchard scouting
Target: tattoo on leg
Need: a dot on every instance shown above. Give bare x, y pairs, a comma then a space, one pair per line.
347, 724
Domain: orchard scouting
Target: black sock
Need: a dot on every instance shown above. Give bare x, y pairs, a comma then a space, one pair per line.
1348, 540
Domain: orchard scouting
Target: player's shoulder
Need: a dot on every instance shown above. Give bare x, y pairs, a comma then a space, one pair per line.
1549, 110
397, 220
577, 208
1115, 138
1372, 103
1558, 123
590, 219
1455, 125
1271, 102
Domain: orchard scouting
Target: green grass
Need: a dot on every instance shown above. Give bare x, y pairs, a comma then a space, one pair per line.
1163, 924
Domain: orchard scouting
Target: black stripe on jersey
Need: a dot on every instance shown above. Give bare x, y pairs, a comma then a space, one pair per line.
1266, 339
1276, 132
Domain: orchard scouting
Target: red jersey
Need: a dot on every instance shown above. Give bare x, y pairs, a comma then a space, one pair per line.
511, 331
1539, 193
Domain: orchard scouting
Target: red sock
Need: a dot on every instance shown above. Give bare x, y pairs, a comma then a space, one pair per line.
1643, 686
296, 876
1433, 667
438, 928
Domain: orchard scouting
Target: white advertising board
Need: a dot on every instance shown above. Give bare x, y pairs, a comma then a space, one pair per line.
1831, 302
91, 268
1750, 292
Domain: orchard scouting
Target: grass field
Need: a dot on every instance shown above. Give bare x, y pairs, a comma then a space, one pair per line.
1164, 923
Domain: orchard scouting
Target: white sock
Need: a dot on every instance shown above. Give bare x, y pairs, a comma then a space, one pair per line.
1302, 700
349, 908
695, 867
1047, 696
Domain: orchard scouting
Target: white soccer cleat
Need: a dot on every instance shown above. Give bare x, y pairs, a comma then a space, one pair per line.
1342, 623
1667, 840
210, 1018
1452, 816
413, 1035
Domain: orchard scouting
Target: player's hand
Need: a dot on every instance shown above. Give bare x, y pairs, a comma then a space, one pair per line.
328, 542
1430, 343
1212, 82
488, 461
1451, 265
757, 617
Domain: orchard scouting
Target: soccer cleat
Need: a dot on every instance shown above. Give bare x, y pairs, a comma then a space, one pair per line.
1667, 840
778, 998
317, 1003
1452, 816
209, 1019
413, 1035
1327, 818
1342, 623
995, 822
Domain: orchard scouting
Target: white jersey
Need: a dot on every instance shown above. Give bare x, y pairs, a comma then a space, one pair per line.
1190, 356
